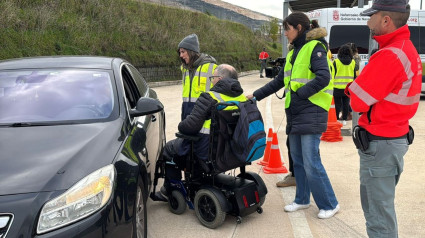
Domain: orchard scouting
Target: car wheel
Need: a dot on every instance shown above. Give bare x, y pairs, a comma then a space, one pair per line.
176, 202
141, 213
208, 209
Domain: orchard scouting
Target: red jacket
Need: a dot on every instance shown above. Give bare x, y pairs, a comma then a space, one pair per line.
390, 85
263, 55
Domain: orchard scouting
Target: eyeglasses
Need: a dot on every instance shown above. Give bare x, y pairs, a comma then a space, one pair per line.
214, 76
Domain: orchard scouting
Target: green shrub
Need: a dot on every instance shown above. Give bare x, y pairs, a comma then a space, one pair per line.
145, 34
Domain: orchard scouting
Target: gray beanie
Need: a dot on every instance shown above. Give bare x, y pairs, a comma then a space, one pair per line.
190, 42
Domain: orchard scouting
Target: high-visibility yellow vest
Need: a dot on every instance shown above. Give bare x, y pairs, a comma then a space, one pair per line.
219, 97
200, 83
297, 75
344, 74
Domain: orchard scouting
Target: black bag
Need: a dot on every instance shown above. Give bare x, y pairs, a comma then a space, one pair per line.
360, 138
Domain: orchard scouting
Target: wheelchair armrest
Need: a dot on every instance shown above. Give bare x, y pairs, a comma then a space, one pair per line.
188, 137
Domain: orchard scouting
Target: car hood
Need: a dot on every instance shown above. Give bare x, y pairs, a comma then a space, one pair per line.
48, 158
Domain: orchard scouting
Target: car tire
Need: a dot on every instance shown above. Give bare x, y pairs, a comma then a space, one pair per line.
176, 202
208, 209
141, 222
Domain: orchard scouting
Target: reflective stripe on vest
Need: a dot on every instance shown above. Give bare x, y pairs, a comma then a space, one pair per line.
401, 97
221, 98
344, 74
299, 74
192, 88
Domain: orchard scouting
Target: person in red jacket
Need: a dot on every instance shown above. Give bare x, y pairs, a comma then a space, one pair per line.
263, 59
387, 94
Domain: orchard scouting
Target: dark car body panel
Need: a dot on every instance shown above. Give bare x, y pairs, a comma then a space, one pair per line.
49, 158
39, 163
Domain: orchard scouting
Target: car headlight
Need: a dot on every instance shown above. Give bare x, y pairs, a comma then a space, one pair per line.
84, 198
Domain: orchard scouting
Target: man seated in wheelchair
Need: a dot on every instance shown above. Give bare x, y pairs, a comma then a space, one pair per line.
226, 87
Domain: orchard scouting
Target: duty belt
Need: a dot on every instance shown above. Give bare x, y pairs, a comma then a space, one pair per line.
373, 137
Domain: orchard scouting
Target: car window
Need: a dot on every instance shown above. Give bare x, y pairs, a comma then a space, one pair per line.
55, 95
139, 80
131, 92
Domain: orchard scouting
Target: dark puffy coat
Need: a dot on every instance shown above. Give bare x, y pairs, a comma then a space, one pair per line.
303, 117
205, 103
193, 123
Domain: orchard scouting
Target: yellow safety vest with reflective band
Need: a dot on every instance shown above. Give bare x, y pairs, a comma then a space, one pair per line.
219, 97
344, 74
200, 83
297, 75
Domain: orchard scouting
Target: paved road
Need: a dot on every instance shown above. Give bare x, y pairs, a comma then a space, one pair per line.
342, 164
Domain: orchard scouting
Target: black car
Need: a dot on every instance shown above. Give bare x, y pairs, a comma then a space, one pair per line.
79, 140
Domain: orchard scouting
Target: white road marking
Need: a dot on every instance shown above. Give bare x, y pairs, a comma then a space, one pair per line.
298, 220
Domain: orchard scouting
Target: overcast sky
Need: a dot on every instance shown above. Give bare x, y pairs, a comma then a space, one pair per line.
275, 7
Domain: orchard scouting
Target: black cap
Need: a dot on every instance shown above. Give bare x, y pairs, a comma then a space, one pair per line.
386, 5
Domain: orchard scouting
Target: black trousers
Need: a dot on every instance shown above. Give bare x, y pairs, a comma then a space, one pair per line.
291, 163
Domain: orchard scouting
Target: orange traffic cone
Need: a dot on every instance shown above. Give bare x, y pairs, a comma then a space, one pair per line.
333, 132
275, 165
266, 156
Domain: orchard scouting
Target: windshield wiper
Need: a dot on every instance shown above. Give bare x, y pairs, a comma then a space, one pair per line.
28, 124
21, 124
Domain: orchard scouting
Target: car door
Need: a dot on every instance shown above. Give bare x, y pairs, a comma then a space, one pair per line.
151, 123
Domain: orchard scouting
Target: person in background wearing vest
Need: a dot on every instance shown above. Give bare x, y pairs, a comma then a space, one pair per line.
226, 87
197, 68
345, 71
307, 81
387, 94
263, 60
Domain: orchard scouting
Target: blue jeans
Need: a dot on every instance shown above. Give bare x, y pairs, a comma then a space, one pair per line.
310, 174
380, 168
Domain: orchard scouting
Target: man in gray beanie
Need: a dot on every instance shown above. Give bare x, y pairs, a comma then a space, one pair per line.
197, 68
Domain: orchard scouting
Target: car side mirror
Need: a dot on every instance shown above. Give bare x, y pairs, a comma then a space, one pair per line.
146, 106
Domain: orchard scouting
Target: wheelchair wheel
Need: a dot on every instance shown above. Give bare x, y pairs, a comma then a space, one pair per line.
176, 202
208, 209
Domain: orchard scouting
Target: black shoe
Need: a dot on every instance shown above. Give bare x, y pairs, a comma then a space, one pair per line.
161, 195
261, 76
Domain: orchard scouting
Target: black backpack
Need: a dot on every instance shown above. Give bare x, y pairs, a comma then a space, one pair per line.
238, 136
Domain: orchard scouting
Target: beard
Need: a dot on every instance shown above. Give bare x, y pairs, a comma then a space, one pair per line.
372, 33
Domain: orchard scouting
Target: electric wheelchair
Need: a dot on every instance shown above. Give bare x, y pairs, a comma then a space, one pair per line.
211, 187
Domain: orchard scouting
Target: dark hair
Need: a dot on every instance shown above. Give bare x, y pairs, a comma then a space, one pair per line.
193, 56
314, 24
345, 51
295, 19
353, 48
399, 18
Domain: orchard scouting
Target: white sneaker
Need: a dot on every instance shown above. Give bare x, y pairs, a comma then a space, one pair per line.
344, 122
295, 207
324, 214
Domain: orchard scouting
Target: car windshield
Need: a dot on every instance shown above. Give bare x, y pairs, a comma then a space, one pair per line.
54, 95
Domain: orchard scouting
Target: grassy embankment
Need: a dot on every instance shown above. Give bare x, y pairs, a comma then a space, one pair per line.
145, 34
